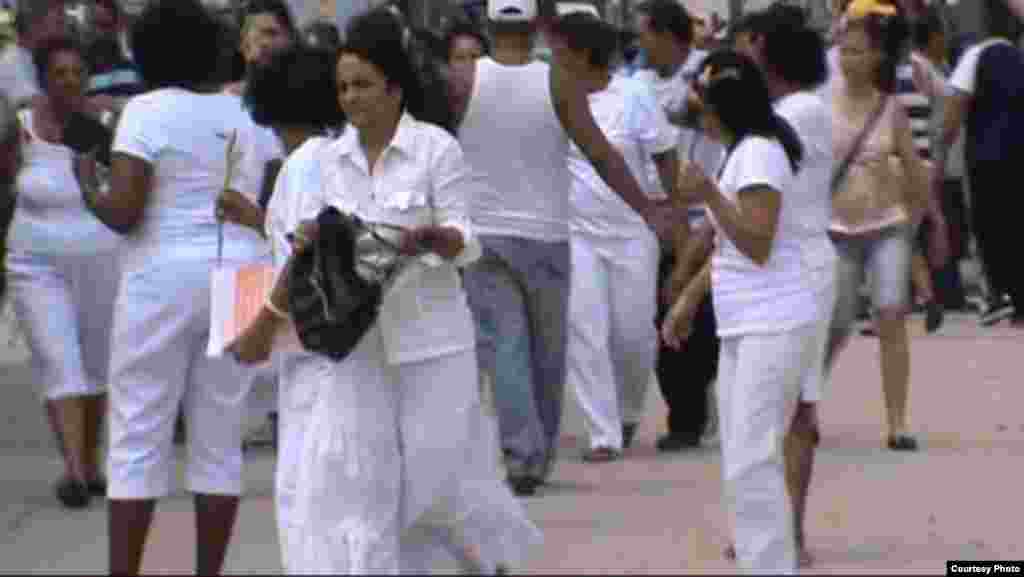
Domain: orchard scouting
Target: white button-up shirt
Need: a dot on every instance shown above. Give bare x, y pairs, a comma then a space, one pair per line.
420, 179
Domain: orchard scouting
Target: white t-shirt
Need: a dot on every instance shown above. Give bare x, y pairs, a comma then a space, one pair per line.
628, 114
184, 135
965, 75
785, 293
18, 74
693, 145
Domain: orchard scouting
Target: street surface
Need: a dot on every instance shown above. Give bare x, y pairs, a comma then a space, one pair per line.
871, 510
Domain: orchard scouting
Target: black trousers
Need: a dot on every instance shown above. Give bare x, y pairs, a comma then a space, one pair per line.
996, 219
685, 375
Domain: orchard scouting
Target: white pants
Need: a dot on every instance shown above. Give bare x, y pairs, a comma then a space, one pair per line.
64, 305
612, 337
381, 481
759, 383
812, 388
300, 375
158, 360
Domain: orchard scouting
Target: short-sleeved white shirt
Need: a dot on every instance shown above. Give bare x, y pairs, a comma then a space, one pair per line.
184, 135
628, 114
783, 294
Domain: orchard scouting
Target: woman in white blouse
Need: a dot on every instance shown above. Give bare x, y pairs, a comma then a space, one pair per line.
389, 473
770, 308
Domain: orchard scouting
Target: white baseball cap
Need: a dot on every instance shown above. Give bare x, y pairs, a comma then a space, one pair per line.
511, 10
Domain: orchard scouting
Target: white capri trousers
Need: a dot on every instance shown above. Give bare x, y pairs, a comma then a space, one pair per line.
759, 383
64, 305
612, 336
381, 483
158, 361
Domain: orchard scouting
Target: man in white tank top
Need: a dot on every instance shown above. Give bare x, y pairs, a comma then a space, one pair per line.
517, 118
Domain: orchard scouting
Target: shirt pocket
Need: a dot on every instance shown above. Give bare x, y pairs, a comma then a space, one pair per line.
407, 193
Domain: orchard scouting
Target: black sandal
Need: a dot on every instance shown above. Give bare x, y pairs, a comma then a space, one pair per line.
73, 494
97, 487
902, 442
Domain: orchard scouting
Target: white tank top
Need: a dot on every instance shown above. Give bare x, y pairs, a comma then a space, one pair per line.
515, 143
50, 216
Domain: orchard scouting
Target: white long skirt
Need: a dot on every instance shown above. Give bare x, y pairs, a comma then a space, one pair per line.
384, 485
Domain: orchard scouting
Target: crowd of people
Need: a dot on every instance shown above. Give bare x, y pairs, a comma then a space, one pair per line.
711, 209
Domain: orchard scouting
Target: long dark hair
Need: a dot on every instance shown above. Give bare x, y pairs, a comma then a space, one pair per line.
793, 50
379, 37
738, 95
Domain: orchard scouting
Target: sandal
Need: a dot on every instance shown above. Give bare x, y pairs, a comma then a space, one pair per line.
72, 493
600, 455
902, 442
97, 487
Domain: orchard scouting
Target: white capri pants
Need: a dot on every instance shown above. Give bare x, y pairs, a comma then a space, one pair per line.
64, 305
161, 329
612, 336
759, 383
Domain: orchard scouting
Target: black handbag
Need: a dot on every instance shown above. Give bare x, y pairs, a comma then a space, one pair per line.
334, 293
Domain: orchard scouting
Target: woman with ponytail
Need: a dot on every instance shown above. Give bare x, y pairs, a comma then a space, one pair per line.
770, 306
880, 191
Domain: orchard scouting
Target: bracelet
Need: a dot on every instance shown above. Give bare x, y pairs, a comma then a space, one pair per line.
270, 306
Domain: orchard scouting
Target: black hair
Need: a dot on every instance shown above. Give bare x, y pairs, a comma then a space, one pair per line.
926, 27
175, 43
43, 55
793, 50
298, 87
739, 97
114, 7
888, 34
277, 8
583, 32
1000, 21
323, 35
379, 38
669, 16
462, 28
30, 12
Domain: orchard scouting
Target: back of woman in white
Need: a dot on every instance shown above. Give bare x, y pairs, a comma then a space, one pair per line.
162, 317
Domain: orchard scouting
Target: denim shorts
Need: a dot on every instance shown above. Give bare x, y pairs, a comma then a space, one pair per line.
881, 257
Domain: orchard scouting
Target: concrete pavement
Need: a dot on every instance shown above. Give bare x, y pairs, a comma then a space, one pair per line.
871, 510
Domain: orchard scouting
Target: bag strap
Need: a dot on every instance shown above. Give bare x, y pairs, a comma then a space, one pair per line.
844, 168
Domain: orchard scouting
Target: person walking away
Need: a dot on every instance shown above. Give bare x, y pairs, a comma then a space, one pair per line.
169, 165
986, 87
519, 289
612, 342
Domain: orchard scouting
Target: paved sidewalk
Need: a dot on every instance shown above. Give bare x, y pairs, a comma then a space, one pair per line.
871, 510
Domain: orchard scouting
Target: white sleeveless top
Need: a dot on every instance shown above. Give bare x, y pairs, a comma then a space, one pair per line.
50, 216
515, 143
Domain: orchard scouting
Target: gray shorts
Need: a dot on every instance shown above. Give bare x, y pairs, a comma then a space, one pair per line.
883, 257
